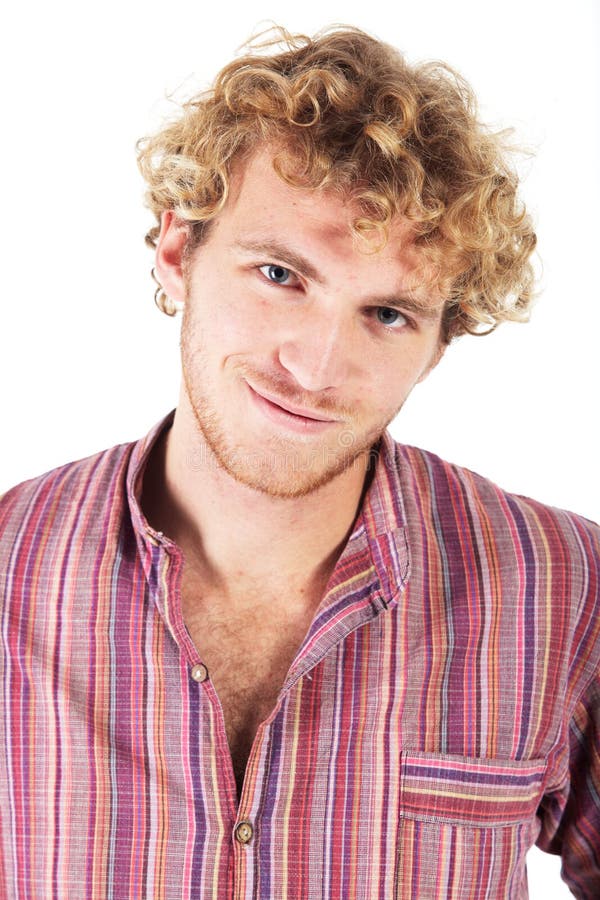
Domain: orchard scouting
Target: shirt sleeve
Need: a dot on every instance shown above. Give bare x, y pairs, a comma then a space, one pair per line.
571, 815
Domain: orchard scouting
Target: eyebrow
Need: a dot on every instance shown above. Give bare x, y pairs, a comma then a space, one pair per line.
294, 260
403, 301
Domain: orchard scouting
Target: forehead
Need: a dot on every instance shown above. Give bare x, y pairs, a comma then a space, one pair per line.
257, 185
262, 206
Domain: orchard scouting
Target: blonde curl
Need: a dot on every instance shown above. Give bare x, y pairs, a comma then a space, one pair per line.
348, 113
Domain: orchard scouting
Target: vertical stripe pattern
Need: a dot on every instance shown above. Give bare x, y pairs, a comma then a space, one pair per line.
440, 717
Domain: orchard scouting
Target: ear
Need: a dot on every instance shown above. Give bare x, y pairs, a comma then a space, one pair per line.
437, 355
169, 255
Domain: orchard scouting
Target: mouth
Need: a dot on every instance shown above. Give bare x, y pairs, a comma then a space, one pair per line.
290, 408
287, 416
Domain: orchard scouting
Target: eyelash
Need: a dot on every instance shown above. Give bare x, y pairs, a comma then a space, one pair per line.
408, 323
276, 266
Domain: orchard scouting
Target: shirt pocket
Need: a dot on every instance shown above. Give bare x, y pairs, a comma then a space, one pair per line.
465, 826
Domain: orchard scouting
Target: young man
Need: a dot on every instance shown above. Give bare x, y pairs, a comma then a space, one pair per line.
267, 652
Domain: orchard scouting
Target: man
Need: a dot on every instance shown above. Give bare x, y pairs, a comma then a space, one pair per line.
266, 651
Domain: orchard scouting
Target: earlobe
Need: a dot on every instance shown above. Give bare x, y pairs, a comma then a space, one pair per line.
169, 255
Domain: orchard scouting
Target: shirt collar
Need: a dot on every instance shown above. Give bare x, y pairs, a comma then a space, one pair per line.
383, 518
380, 524
135, 472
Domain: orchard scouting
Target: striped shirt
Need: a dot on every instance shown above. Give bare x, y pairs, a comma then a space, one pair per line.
440, 716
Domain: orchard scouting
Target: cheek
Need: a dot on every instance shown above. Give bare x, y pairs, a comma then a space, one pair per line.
242, 336
222, 326
392, 377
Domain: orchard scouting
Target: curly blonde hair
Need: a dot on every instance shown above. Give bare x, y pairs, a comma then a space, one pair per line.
395, 139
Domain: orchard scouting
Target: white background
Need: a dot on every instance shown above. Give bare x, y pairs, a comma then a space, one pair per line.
87, 361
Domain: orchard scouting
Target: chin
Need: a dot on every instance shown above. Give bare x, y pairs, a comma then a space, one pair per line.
284, 475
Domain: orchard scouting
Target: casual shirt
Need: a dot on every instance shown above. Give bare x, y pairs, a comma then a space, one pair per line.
440, 716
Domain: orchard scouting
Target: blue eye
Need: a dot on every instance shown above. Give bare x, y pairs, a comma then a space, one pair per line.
276, 274
389, 316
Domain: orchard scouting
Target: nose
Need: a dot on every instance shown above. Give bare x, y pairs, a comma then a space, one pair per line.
318, 353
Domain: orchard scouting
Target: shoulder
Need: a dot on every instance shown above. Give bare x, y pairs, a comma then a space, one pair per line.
531, 565
459, 502
78, 490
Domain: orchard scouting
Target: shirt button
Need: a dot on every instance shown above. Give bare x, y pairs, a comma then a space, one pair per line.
244, 832
199, 673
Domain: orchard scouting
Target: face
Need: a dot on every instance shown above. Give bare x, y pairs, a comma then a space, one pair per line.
299, 343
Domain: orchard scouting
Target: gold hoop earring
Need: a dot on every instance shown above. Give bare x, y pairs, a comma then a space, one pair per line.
162, 300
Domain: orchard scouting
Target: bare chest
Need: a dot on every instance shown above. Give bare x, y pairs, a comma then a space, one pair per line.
248, 648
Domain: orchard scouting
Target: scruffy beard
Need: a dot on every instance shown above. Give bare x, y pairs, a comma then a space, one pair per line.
281, 467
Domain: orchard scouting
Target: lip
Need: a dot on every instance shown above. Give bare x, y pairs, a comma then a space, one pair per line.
288, 415
288, 407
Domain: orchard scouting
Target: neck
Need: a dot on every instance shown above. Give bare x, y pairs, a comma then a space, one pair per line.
233, 535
